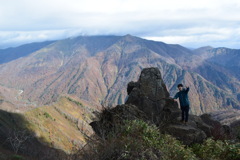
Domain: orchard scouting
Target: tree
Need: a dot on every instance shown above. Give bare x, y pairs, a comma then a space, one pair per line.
17, 138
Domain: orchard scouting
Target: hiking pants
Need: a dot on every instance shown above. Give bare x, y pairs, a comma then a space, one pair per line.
185, 110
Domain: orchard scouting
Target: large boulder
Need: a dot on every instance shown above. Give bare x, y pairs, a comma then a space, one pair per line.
186, 133
229, 119
150, 95
218, 130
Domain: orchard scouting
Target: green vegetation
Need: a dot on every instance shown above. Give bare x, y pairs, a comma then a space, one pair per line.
138, 136
61, 124
47, 115
17, 157
7, 156
217, 150
137, 139
74, 101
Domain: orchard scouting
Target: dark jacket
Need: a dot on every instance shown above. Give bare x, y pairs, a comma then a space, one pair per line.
183, 97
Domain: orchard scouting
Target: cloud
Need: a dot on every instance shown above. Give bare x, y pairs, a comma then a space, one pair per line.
200, 36
187, 22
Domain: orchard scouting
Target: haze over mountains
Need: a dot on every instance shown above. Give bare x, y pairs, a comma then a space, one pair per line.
96, 69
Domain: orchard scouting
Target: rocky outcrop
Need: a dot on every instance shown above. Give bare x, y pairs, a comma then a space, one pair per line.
150, 95
149, 100
229, 119
111, 118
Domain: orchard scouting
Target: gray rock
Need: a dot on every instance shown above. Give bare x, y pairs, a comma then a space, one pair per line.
131, 85
111, 118
150, 95
186, 133
218, 131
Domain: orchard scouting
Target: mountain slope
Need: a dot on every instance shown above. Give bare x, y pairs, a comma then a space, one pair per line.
95, 69
10, 54
221, 66
226, 57
63, 125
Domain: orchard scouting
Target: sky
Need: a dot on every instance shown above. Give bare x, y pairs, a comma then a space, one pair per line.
191, 23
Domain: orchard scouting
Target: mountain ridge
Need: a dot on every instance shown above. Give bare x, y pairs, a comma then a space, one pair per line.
83, 67
12, 53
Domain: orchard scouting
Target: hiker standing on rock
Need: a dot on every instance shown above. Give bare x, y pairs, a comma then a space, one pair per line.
184, 101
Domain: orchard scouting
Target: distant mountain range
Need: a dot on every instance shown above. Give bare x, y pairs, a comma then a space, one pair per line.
97, 69
10, 54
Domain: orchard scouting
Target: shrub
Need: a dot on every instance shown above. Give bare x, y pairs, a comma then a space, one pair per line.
137, 139
148, 136
74, 101
47, 115
17, 157
217, 150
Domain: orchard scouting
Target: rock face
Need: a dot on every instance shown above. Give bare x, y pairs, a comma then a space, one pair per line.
149, 94
229, 118
110, 119
149, 100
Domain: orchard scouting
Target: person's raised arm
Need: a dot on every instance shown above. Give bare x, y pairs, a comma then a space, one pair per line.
187, 89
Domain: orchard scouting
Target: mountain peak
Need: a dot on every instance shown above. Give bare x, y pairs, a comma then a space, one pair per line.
130, 38
128, 35
204, 48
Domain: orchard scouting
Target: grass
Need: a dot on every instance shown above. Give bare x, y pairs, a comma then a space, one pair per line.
53, 124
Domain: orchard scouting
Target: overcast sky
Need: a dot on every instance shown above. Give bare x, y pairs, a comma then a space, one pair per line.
191, 23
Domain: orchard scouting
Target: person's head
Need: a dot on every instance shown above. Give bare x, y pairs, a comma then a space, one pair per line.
180, 87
